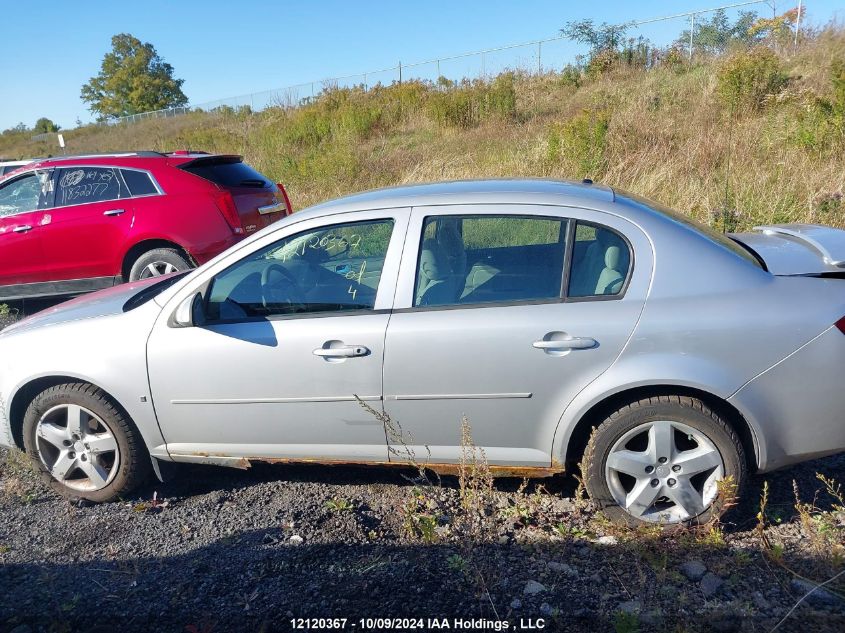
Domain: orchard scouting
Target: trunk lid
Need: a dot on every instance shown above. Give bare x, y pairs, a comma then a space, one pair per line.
797, 249
258, 200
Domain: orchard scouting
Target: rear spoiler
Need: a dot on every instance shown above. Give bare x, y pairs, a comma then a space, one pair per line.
797, 249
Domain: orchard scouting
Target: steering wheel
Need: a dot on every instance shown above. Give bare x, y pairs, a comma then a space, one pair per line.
279, 287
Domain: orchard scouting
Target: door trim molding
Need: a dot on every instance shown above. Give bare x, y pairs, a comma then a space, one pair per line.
57, 288
459, 396
277, 400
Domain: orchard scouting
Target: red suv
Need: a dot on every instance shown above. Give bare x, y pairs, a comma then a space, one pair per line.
73, 224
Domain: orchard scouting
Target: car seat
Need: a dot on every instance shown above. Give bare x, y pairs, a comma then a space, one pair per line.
602, 269
435, 279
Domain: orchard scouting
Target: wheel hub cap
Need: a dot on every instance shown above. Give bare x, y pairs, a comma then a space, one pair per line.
77, 447
664, 471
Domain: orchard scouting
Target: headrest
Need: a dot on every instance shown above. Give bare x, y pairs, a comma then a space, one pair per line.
433, 263
611, 257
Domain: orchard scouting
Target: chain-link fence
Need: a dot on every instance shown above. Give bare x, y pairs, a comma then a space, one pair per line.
535, 57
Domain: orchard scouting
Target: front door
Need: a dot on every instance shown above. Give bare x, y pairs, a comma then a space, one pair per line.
293, 338
509, 312
21, 252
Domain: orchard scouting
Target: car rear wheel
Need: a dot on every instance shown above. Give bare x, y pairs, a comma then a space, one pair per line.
659, 460
156, 262
83, 444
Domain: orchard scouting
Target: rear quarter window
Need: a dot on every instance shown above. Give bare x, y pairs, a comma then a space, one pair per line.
228, 173
139, 182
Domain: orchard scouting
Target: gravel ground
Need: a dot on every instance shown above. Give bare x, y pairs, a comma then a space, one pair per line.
227, 550
249, 550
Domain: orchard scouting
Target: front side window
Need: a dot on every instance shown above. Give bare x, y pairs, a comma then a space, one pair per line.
601, 260
330, 269
487, 259
83, 185
22, 194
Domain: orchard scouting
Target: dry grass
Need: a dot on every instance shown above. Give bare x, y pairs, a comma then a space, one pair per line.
666, 133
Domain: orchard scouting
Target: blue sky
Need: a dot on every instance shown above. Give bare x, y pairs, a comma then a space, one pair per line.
221, 48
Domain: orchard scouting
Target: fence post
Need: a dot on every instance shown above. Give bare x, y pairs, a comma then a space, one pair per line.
539, 58
691, 33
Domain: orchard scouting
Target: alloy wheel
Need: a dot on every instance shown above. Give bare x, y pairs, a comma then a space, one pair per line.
77, 447
664, 471
156, 269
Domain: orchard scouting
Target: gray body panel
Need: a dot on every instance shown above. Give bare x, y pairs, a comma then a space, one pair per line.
694, 315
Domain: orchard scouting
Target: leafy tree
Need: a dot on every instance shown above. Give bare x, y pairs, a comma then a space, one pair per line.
132, 79
716, 35
604, 37
43, 125
779, 29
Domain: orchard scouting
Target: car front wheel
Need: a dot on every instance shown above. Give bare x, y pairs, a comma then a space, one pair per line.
659, 460
83, 444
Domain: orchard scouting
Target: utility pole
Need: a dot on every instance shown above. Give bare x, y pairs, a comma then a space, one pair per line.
797, 25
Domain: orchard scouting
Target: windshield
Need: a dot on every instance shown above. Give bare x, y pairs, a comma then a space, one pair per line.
714, 236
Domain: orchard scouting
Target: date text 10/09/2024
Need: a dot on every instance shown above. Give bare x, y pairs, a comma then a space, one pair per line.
418, 624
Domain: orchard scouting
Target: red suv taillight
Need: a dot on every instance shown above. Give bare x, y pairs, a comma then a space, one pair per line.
840, 324
226, 203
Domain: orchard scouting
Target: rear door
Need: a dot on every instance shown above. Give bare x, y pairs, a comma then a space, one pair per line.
492, 322
258, 200
21, 253
85, 230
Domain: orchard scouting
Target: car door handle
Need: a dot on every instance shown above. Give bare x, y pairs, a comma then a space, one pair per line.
22, 229
576, 342
111, 212
346, 351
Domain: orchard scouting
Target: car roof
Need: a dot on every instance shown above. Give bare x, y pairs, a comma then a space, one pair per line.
128, 159
503, 191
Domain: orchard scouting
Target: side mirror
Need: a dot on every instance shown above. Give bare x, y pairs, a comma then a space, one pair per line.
190, 312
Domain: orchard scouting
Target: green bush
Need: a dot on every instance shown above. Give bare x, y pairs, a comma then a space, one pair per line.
308, 126
570, 76
746, 78
500, 98
581, 142
469, 103
819, 126
601, 62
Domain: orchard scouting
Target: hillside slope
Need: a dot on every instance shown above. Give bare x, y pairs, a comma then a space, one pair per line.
745, 139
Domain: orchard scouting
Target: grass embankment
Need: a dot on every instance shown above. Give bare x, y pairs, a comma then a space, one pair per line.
760, 134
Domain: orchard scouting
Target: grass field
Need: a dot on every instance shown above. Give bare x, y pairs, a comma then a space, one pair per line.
744, 139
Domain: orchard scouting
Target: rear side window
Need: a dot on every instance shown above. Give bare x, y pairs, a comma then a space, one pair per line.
601, 260
227, 173
84, 185
139, 182
488, 259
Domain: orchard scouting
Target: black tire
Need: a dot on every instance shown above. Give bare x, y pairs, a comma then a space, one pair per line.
169, 257
685, 410
134, 465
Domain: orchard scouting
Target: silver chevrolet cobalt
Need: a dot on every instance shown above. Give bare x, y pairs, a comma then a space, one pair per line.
568, 322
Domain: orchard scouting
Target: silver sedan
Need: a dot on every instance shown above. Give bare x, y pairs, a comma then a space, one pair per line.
568, 322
